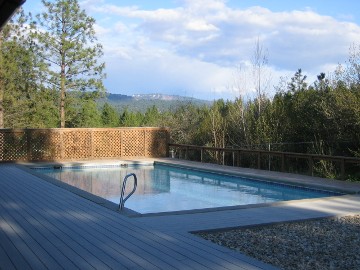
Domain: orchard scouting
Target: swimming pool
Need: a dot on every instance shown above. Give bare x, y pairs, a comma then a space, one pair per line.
166, 188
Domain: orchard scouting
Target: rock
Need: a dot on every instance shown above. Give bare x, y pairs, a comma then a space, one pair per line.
315, 244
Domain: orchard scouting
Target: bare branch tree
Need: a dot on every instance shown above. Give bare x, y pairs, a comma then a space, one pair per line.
260, 74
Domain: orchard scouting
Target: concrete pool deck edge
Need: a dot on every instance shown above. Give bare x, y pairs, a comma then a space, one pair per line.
279, 177
271, 176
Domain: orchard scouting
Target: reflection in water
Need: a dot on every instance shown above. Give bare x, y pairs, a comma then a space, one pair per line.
163, 188
107, 182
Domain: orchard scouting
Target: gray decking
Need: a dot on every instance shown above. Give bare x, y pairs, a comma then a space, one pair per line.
268, 213
280, 212
43, 226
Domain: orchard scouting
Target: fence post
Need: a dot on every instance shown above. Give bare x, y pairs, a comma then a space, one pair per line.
311, 166
342, 169
259, 160
186, 153
283, 162
202, 154
269, 157
233, 157
239, 159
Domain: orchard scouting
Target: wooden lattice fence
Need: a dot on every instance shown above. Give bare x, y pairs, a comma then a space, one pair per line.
82, 143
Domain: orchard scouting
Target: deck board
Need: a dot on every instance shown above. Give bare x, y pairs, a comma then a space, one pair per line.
9, 255
78, 238
52, 244
185, 250
43, 226
25, 232
6, 263
129, 244
50, 231
19, 240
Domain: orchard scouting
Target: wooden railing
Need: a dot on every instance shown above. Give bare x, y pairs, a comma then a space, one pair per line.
260, 159
82, 143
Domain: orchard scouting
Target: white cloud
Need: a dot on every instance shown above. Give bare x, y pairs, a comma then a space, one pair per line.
199, 25
196, 45
101, 30
157, 70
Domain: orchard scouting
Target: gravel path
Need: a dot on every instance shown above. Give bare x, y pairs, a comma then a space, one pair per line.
318, 244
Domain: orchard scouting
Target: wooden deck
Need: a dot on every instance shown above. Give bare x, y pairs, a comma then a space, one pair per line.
43, 226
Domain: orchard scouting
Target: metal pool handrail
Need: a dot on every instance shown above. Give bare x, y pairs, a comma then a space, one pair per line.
122, 200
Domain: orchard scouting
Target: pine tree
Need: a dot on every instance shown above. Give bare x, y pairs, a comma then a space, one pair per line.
68, 44
298, 82
20, 74
109, 116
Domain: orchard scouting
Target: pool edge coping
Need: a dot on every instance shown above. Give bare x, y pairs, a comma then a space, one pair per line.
197, 166
326, 184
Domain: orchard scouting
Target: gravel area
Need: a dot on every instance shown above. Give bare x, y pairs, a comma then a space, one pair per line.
317, 244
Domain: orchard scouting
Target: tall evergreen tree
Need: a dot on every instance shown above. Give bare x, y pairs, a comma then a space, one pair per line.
109, 116
152, 117
131, 119
298, 82
90, 116
20, 75
68, 44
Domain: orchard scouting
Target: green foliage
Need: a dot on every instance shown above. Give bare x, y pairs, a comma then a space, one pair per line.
320, 118
109, 116
152, 117
188, 124
352, 73
131, 119
298, 82
22, 94
66, 41
45, 112
89, 115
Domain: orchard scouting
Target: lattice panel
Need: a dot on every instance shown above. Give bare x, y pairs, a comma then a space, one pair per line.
77, 144
73, 144
13, 146
156, 143
133, 143
106, 143
45, 145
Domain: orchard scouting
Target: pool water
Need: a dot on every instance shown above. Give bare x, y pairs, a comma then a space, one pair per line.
166, 188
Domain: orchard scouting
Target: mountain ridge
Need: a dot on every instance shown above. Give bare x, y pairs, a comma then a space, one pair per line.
152, 96
141, 102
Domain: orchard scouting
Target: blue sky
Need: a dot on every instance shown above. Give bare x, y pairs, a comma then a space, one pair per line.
204, 48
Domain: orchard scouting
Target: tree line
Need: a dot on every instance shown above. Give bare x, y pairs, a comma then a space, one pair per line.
320, 118
45, 57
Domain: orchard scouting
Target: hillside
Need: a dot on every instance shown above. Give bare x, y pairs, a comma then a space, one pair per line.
140, 102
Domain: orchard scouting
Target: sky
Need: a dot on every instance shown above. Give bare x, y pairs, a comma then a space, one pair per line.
205, 48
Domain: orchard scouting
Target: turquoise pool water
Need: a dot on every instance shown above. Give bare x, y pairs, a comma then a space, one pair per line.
166, 188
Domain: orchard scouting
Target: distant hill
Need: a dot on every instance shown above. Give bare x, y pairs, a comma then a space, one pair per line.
140, 102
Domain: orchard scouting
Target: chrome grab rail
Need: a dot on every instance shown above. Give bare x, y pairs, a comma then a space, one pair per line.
122, 200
